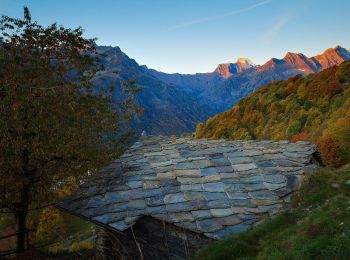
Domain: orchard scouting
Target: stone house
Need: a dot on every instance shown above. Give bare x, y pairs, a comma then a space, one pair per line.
167, 197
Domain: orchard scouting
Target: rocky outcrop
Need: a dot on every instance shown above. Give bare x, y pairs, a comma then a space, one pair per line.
301, 62
226, 70
332, 56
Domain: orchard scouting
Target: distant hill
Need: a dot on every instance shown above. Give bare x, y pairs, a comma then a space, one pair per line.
229, 82
167, 109
175, 103
314, 107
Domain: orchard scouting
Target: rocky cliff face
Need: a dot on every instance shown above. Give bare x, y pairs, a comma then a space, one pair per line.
226, 70
332, 56
167, 108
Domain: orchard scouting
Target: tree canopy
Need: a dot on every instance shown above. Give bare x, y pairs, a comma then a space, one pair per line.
56, 127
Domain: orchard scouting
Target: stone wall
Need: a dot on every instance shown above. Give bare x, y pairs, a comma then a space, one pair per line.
149, 239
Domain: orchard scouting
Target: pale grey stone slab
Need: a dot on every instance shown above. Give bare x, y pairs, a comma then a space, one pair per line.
119, 225
228, 175
95, 201
241, 203
166, 175
194, 195
265, 202
274, 186
187, 173
221, 212
181, 216
274, 178
240, 160
210, 178
229, 220
154, 201
152, 192
208, 225
244, 167
187, 225
234, 187
215, 195
186, 180
287, 163
136, 204
238, 195
208, 171
216, 204
245, 217
191, 187
265, 164
201, 214
102, 219
116, 196
203, 163
150, 184
221, 162
263, 195
134, 184
255, 187
186, 206
235, 154
214, 187
174, 198
185, 166
225, 169
252, 152
252, 179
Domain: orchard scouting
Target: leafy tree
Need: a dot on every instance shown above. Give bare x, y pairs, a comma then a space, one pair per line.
294, 128
329, 149
53, 125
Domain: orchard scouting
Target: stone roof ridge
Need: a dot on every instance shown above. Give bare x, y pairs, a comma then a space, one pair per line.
214, 187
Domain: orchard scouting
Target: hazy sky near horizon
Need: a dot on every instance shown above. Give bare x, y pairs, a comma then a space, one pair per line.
189, 36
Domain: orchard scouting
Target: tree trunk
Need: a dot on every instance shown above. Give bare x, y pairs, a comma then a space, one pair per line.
21, 222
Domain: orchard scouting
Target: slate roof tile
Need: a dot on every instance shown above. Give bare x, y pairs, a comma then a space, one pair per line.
214, 187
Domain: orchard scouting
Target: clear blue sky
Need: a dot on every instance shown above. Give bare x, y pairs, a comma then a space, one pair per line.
189, 36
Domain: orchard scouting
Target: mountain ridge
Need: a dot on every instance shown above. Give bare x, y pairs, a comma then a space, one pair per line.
162, 103
175, 103
223, 87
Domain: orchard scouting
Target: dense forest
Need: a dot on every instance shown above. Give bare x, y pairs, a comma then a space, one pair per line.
314, 108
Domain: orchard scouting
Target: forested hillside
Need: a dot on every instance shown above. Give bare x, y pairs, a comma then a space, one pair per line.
315, 108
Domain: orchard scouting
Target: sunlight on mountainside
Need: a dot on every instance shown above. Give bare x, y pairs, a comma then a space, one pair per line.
144, 130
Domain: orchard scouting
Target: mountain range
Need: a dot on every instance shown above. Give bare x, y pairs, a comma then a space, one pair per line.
175, 103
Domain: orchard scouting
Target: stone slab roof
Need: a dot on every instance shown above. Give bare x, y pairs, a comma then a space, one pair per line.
214, 187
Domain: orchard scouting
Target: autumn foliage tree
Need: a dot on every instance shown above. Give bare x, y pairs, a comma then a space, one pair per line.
329, 148
313, 108
55, 126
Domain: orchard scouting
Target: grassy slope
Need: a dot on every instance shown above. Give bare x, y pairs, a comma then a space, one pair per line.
317, 226
74, 242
